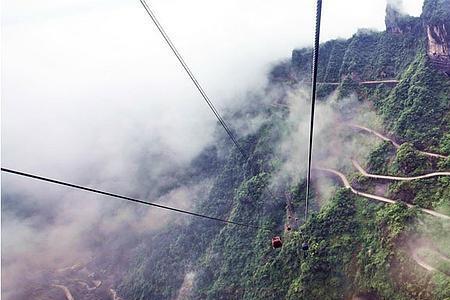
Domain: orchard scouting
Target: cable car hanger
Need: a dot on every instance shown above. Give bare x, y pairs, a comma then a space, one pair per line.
313, 99
198, 86
217, 114
305, 245
276, 240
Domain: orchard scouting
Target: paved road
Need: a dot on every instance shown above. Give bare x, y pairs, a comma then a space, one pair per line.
114, 295
66, 291
389, 81
378, 198
364, 173
422, 263
396, 145
276, 104
367, 82
97, 284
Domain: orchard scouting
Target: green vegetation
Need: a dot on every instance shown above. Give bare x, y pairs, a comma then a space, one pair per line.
410, 162
418, 108
357, 246
436, 11
377, 161
347, 87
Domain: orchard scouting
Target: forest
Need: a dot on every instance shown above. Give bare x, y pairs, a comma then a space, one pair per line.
359, 248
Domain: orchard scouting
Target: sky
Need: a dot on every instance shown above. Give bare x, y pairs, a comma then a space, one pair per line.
91, 94
88, 83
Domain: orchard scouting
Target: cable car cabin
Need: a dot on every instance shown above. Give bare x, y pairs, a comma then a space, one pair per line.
276, 242
305, 246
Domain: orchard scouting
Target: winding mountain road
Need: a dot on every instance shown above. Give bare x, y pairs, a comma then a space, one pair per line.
277, 104
441, 256
114, 295
97, 284
387, 81
66, 291
367, 82
378, 198
422, 263
364, 173
394, 143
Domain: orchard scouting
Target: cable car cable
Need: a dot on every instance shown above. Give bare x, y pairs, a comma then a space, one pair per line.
313, 100
196, 82
192, 77
130, 199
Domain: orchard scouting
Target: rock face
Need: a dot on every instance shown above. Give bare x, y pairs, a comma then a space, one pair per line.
436, 27
437, 41
436, 19
396, 21
438, 46
393, 19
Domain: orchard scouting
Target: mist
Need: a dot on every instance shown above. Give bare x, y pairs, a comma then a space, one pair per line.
335, 143
397, 4
92, 95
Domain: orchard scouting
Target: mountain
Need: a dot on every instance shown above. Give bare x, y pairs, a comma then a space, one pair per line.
359, 248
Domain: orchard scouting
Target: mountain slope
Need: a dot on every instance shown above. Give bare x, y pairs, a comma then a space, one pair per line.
358, 248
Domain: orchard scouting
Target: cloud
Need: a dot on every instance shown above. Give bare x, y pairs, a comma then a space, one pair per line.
413, 8
92, 95
396, 3
334, 141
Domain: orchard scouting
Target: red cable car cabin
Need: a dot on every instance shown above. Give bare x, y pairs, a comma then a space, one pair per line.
276, 242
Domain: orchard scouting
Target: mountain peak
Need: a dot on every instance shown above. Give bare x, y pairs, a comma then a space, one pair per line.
396, 20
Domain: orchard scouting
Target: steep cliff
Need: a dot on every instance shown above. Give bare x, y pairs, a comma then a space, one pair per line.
359, 249
436, 20
396, 21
